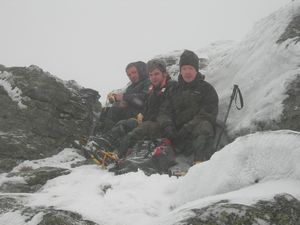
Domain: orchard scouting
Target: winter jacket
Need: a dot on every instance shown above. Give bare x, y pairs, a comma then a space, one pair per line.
156, 97
189, 104
136, 93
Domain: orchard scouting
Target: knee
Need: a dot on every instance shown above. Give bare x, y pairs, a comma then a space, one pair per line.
203, 128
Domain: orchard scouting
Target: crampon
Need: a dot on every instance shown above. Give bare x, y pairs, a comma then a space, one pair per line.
100, 156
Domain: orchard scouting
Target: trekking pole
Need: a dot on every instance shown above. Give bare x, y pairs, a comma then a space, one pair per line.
236, 93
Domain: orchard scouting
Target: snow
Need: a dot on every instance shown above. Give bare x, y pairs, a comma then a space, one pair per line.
252, 168
13, 92
259, 157
63, 159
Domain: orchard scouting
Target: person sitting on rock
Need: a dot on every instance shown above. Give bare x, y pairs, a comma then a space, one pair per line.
127, 132
131, 102
188, 117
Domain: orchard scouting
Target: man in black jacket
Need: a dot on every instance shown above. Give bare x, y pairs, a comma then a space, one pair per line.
188, 117
127, 132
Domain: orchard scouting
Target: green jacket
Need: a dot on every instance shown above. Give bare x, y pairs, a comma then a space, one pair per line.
135, 94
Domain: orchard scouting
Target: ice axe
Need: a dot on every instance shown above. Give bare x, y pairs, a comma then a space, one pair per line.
236, 94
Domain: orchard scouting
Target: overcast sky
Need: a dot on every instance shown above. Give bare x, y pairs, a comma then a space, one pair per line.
91, 41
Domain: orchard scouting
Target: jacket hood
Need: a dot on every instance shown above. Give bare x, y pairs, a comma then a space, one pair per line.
141, 69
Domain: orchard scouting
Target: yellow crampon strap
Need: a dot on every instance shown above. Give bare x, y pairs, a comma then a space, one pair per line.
96, 160
179, 173
103, 161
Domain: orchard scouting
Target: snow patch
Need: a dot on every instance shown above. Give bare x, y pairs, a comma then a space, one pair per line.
6, 80
63, 159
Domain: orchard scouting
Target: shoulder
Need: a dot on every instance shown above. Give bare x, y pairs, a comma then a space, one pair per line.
171, 85
209, 90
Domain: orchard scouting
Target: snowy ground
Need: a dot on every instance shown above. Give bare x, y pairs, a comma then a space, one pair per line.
252, 168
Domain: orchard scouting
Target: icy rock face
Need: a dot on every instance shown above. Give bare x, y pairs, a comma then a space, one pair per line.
30, 180
283, 209
40, 114
265, 65
13, 211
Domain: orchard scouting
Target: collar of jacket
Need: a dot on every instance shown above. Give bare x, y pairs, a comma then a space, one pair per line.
185, 85
160, 88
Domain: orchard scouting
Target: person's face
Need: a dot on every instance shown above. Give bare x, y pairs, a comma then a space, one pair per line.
133, 74
188, 73
156, 77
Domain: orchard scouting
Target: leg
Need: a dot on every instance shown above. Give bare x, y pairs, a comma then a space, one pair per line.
147, 129
202, 140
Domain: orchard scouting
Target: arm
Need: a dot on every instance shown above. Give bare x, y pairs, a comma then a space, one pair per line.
137, 96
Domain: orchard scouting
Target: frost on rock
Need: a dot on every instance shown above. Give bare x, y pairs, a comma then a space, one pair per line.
6, 81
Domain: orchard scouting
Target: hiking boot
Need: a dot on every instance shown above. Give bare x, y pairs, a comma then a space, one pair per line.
102, 143
164, 156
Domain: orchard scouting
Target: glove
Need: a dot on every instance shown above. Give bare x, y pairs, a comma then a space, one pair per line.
170, 132
185, 131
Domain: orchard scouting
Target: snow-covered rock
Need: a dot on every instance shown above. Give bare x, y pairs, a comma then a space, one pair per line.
40, 114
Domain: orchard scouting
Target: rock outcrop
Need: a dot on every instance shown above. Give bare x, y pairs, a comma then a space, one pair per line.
283, 209
41, 114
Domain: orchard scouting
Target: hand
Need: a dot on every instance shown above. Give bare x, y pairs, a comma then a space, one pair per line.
111, 97
119, 97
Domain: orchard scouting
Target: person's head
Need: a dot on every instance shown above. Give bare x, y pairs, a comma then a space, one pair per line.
157, 71
136, 71
189, 65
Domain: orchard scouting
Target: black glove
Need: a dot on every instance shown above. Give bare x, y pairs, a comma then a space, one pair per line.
170, 132
185, 131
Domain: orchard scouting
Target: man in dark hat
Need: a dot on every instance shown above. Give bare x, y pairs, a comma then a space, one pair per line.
188, 117
130, 102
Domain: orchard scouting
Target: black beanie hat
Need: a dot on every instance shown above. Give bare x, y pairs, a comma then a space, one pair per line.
156, 64
189, 58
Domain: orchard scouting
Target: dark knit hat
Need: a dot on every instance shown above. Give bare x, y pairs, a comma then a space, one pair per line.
189, 58
156, 64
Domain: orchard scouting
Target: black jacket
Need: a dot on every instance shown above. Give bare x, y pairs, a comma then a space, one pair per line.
156, 97
189, 103
136, 93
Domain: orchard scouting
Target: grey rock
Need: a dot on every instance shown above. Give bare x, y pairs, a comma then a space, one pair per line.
292, 31
283, 209
7, 163
34, 179
8, 203
50, 216
62, 217
291, 112
44, 115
